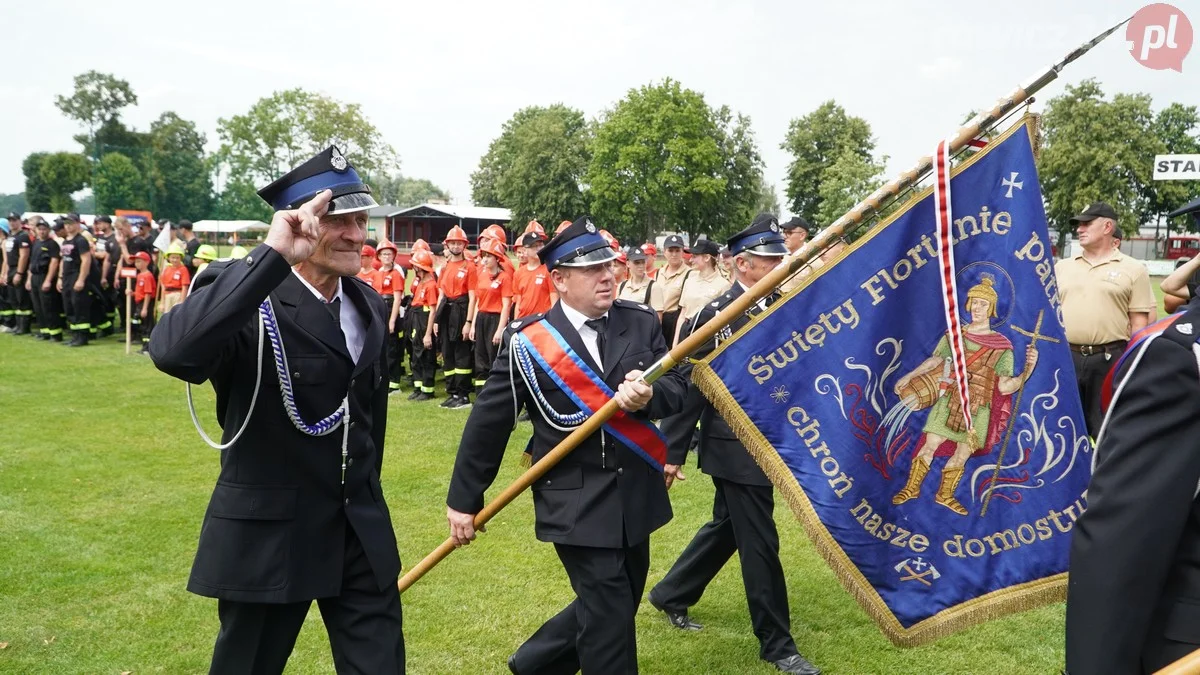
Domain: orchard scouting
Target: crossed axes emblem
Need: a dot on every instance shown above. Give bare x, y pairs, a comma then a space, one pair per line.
918, 570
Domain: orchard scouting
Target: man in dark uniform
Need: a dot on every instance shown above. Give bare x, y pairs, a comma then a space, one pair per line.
16, 270
743, 510
44, 259
109, 254
600, 504
8, 320
73, 276
298, 513
191, 244
1133, 597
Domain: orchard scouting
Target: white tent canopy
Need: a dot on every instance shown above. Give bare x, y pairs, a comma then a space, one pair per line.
228, 226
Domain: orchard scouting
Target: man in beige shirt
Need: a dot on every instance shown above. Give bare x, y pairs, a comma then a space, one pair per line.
1106, 297
670, 280
795, 232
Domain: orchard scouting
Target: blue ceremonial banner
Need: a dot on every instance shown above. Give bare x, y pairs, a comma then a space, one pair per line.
845, 392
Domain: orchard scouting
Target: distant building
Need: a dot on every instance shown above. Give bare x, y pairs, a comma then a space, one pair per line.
432, 222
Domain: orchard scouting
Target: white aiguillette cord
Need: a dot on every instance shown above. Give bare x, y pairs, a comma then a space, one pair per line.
267, 327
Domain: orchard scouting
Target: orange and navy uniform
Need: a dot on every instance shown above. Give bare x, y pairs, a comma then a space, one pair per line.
425, 292
174, 278
532, 290
490, 293
387, 283
458, 276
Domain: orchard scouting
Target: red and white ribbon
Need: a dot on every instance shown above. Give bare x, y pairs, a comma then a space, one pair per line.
945, 240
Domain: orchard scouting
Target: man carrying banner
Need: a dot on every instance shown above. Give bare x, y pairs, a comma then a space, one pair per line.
991, 382
600, 504
743, 509
1131, 598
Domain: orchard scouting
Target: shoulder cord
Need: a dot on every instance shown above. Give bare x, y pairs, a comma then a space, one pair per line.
518, 353
268, 328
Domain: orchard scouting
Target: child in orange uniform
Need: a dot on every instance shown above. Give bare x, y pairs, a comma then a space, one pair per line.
493, 303
175, 280
144, 291
424, 299
388, 282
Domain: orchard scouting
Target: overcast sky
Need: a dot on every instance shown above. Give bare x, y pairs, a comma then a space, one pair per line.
439, 79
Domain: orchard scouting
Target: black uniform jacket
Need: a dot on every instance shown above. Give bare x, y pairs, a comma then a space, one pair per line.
580, 501
720, 453
1134, 578
274, 530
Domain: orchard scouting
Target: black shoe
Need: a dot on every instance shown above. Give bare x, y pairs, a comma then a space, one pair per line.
460, 402
413, 396
449, 402
796, 665
512, 665
680, 620
57, 337
78, 341
423, 396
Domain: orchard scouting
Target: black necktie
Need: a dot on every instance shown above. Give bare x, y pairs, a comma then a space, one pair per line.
599, 325
335, 308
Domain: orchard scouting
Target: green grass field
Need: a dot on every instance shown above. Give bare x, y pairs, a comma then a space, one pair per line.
103, 483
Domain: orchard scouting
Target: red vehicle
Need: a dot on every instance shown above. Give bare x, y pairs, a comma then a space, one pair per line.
1182, 246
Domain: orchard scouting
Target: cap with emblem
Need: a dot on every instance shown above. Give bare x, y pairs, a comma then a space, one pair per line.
705, 246
530, 239
534, 227
761, 238
12, 215
328, 170
797, 223
577, 245
71, 218
673, 241
1096, 210
635, 255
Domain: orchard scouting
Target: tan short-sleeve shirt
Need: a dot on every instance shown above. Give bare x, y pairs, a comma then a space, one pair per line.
697, 292
671, 283
1098, 297
637, 293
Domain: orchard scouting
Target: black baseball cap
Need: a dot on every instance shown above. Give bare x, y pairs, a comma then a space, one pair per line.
72, 217
103, 219
703, 246
797, 222
634, 254
1096, 210
673, 241
12, 215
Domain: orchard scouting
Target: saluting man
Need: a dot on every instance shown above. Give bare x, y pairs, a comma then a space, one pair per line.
600, 504
743, 509
298, 513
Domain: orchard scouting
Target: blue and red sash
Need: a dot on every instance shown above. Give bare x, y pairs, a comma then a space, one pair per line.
1107, 388
589, 392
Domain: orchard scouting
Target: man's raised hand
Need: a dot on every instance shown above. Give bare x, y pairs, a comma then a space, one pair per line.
294, 233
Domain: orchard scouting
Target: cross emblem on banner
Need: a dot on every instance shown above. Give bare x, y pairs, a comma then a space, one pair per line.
1011, 183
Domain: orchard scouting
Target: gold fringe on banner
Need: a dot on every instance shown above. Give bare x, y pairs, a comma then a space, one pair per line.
1013, 599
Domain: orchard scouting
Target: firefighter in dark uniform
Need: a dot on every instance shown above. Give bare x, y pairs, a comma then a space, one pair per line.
113, 297
298, 513
74, 272
600, 504
44, 260
1133, 596
743, 509
16, 265
8, 320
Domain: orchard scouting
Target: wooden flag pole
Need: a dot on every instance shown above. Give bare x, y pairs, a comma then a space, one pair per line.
791, 265
128, 316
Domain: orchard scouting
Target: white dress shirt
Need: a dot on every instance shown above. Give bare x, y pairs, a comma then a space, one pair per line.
351, 321
589, 336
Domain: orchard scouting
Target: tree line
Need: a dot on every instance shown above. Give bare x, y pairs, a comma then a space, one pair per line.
660, 159
167, 170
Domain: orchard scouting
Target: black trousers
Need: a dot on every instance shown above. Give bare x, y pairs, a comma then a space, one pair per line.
486, 324
8, 318
364, 626
424, 361
143, 327
743, 522
457, 358
78, 306
19, 299
1090, 372
595, 633
669, 319
47, 306
395, 357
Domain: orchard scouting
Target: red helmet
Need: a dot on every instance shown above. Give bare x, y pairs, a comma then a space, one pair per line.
456, 233
368, 251
561, 226
422, 260
420, 245
612, 241
649, 249
493, 247
496, 232
386, 245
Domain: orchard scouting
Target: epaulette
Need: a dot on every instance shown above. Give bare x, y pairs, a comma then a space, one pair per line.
629, 304
520, 324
